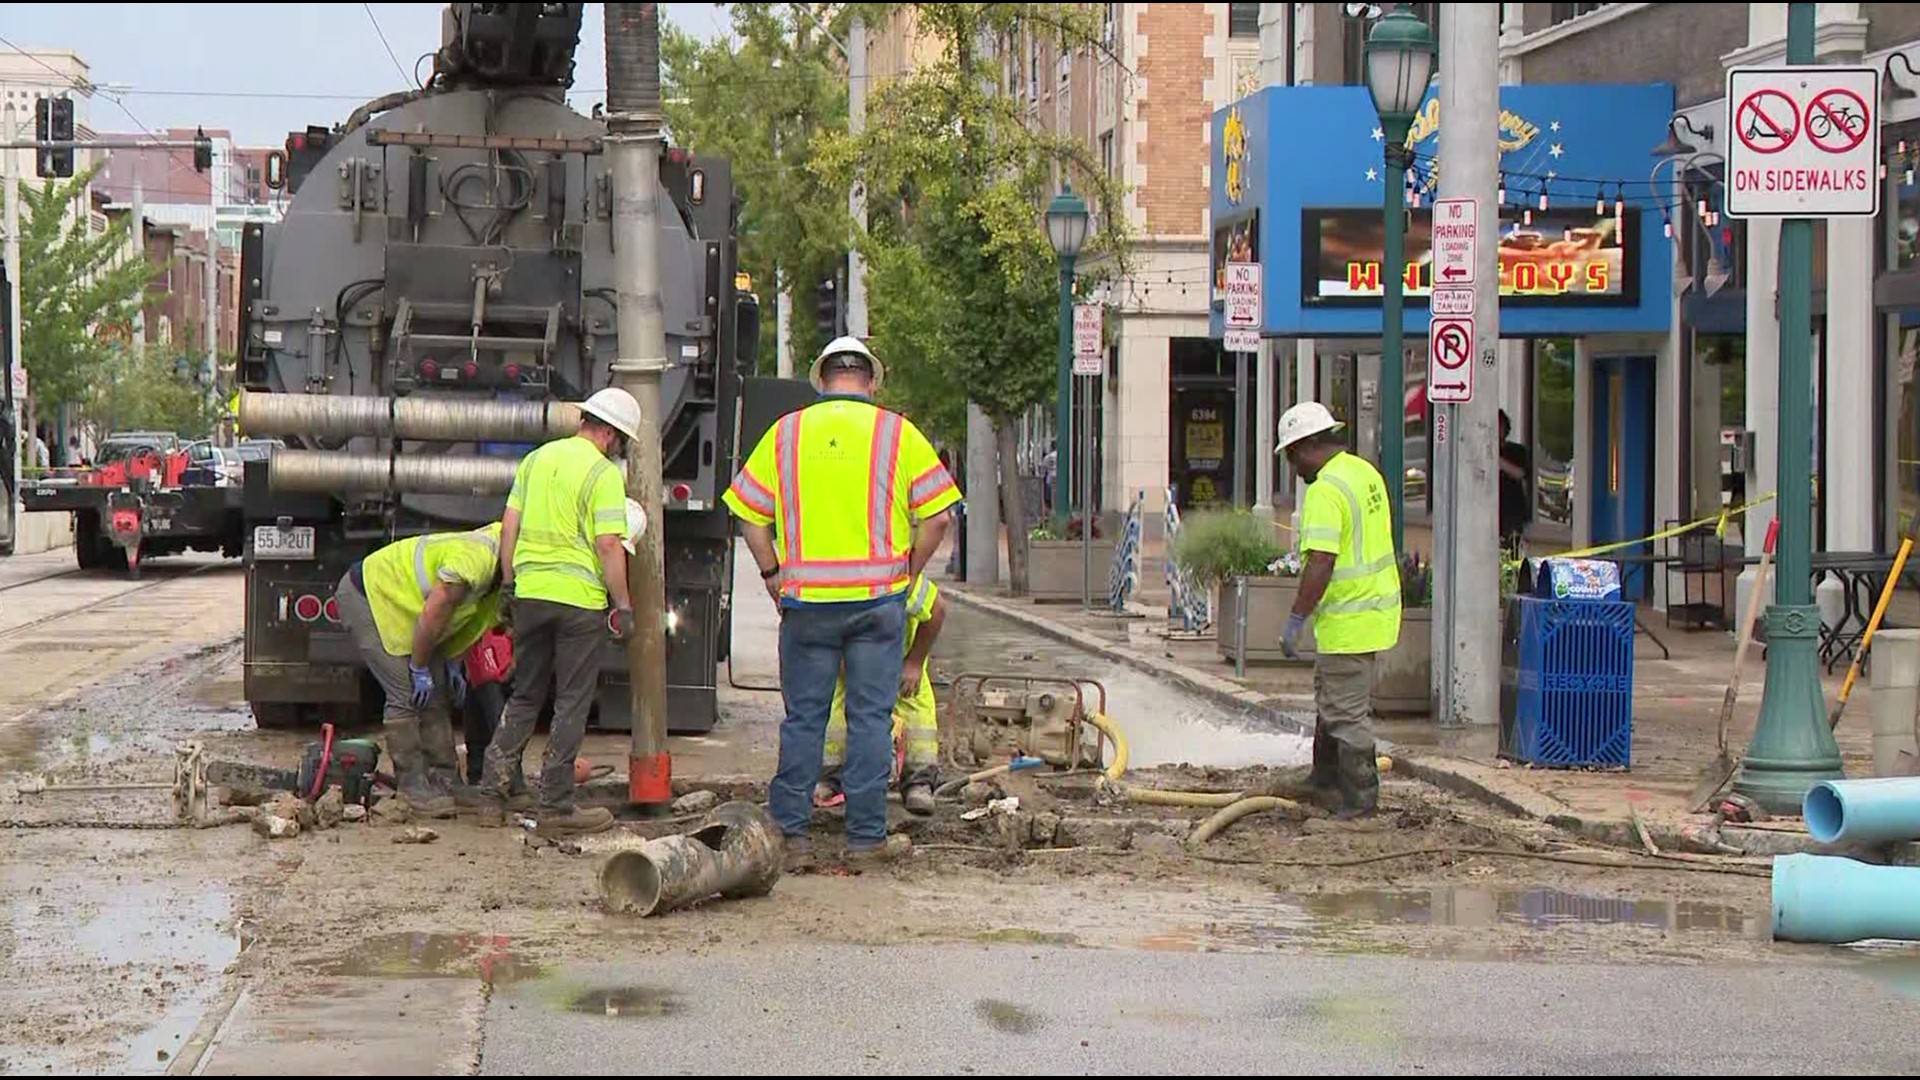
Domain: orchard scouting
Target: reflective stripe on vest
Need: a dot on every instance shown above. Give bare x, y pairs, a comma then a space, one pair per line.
882, 568
420, 575
1359, 611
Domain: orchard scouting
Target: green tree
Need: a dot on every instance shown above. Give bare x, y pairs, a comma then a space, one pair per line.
158, 391
764, 99
78, 292
963, 279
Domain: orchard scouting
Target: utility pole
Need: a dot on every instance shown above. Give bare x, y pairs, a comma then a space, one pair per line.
16, 506
1466, 646
140, 252
857, 193
634, 122
1793, 746
212, 363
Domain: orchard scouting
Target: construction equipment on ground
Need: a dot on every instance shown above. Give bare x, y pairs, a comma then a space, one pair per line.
1027, 716
439, 292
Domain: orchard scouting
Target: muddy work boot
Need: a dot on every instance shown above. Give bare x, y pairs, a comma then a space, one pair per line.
575, 822
875, 856
918, 799
1359, 784
410, 773
466, 799
796, 854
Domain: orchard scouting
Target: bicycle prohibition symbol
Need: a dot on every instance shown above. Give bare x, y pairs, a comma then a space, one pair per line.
1836, 120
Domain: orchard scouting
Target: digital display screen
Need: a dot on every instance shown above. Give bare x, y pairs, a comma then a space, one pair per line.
1566, 256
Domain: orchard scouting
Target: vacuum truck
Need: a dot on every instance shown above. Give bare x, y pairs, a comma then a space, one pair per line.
437, 296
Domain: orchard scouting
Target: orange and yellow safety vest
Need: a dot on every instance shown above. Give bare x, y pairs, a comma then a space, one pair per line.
842, 482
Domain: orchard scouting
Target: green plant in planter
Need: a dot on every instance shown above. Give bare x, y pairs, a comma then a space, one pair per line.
1416, 581
1047, 531
1218, 545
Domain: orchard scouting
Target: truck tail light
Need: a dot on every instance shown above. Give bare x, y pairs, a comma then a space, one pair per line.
512, 372
682, 492
470, 369
332, 609
307, 607
429, 369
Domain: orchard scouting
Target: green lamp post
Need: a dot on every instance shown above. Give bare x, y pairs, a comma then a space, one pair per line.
1068, 223
1400, 60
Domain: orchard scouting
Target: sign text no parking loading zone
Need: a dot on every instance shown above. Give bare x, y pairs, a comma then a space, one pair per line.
1803, 141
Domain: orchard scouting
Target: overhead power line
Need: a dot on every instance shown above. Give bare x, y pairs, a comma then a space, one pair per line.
404, 77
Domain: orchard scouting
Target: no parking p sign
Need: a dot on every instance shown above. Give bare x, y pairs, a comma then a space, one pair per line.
1803, 142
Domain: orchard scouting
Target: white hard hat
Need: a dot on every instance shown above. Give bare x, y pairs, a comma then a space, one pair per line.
846, 344
1304, 419
616, 408
636, 525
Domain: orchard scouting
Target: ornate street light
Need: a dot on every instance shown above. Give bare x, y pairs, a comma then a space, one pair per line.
1068, 223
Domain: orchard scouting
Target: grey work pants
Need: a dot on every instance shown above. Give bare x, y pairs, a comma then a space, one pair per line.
1343, 695
557, 650
436, 726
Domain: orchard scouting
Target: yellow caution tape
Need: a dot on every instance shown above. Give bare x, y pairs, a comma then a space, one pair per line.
1718, 521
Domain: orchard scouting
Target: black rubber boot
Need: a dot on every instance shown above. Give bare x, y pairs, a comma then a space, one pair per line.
1359, 784
410, 771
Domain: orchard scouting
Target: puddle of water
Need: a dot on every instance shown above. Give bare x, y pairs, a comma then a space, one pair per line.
1006, 1017
1539, 909
1163, 724
423, 955
628, 1002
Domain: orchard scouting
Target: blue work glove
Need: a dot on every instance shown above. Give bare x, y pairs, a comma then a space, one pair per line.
422, 685
457, 683
1295, 623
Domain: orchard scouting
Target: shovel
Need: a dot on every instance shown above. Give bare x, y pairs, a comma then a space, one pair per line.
1721, 769
1873, 624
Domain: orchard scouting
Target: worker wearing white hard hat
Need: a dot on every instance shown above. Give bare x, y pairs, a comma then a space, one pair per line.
847, 354
1350, 589
568, 529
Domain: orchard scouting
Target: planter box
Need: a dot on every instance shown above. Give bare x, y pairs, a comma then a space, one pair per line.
1053, 569
1269, 602
1403, 677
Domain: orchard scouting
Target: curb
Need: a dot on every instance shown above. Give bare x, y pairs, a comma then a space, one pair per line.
1203, 684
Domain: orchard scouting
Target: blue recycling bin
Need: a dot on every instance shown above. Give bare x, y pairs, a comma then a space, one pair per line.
1570, 667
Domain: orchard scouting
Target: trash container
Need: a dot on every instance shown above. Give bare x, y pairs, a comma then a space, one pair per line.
1569, 654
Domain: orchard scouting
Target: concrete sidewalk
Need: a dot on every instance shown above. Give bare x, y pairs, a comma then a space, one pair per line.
1676, 711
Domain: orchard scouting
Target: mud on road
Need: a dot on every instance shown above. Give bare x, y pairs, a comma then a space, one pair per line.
129, 948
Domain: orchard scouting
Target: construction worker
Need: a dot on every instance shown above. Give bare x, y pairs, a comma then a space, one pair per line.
916, 729
1350, 588
842, 504
413, 608
565, 567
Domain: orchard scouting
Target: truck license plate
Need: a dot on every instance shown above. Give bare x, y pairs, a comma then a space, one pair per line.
274, 542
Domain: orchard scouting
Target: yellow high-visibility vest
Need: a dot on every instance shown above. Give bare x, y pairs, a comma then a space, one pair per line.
1345, 514
915, 711
842, 482
568, 494
399, 577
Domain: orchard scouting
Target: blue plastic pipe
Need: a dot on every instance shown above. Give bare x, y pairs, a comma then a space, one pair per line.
1864, 811
1833, 901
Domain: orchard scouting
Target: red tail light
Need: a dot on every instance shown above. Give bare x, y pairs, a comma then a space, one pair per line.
307, 608
512, 372
429, 369
332, 609
682, 492
470, 369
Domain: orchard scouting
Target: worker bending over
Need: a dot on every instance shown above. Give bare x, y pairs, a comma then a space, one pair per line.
564, 562
842, 504
1350, 588
914, 720
414, 608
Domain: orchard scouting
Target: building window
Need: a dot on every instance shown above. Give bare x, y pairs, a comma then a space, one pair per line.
1243, 20
1354, 41
1568, 12
1109, 25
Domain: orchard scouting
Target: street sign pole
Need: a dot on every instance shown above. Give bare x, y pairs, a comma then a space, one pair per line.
1089, 347
1819, 128
1242, 324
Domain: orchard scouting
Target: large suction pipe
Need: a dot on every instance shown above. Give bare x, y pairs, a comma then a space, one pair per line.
421, 474
428, 419
736, 852
1821, 898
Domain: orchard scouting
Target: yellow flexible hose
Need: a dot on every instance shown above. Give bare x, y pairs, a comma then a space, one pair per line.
1157, 797
1118, 767
1255, 804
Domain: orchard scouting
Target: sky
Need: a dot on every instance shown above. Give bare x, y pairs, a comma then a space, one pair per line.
264, 70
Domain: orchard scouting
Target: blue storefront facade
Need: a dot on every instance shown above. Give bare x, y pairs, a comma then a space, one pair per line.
1586, 267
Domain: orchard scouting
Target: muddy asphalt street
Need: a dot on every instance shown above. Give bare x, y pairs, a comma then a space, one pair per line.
135, 947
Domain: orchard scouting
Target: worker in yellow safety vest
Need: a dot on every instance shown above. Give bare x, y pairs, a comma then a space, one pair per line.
413, 608
842, 505
916, 728
1350, 588
563, 550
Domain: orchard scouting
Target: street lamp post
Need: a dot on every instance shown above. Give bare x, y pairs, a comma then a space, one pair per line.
1067, 225
1399, 60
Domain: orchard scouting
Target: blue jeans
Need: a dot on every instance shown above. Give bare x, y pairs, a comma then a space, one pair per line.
817, 642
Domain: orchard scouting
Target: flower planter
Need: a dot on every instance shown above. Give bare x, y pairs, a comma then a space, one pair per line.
1053, 569
1269, 602
1403, 675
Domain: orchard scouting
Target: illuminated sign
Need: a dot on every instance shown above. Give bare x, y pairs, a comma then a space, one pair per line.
1569, 256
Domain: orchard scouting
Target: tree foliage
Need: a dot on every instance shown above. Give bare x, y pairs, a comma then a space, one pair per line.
157, 391
764, 99
77, 292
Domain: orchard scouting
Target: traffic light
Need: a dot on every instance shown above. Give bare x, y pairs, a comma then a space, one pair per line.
202, 150
826, 310
53, 122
